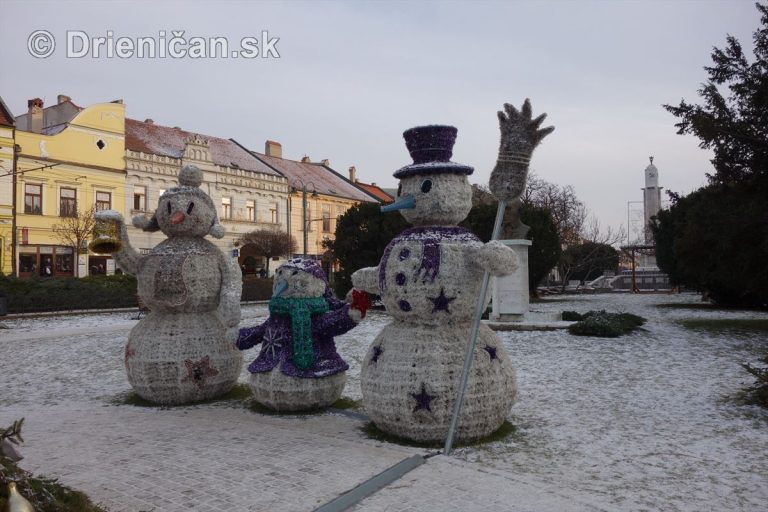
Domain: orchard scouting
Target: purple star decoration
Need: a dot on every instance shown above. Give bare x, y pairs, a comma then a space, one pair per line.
199, 371
441, 302
377, 351
422, 399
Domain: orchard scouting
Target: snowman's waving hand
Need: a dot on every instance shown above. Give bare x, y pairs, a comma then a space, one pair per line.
494, 257
367, 279
520, 134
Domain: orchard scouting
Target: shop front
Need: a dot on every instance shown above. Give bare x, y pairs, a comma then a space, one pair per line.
46, 261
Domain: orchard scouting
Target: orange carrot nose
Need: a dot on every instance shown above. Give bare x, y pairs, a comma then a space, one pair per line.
177, 218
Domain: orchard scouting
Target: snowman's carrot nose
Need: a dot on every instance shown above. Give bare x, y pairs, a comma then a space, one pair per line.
177, 218
403, 203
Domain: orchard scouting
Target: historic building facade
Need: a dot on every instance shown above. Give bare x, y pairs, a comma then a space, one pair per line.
7, 169
249, 194
69, 160
319, 195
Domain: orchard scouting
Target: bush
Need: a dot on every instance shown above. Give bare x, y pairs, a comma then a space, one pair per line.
67, 294
758, 393
256, 288
603, 324
572, 316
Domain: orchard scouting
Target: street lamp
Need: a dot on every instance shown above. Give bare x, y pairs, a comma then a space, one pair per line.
304, 220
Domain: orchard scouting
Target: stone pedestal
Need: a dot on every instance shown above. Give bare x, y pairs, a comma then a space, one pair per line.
511, 293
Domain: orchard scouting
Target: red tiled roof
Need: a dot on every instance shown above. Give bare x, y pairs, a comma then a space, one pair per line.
6, 117
376, 191
166, 141
324, 179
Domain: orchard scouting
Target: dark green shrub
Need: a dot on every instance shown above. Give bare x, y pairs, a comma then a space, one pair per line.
572, 316
758, 393
256, 288
605, 325
68, 294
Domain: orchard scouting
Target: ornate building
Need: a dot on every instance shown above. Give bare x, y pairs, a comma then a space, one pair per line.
319, 196
249, 194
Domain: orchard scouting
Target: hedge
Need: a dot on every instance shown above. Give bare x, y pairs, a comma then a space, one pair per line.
40, 294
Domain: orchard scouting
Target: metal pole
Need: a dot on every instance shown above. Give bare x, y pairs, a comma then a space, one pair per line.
304, 216
470, 353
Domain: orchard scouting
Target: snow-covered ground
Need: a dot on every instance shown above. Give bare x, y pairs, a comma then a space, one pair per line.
647, 421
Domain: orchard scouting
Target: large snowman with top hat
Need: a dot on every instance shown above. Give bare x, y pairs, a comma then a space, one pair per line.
429, 279
183, 350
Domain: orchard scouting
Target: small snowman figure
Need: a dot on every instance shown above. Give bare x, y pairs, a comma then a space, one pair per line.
183, 350
429, 279
298, 367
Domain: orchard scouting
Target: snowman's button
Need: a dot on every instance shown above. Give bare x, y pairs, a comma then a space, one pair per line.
400, 278
404, 305
404, 254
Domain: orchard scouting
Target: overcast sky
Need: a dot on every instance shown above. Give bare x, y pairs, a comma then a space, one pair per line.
352, 76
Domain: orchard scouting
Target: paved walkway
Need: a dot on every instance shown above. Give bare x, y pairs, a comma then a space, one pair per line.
219, 458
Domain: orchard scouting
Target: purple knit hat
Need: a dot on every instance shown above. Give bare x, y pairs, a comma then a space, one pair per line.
307, 265
431, 148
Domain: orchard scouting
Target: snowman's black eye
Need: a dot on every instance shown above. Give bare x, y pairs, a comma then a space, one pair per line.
169, 206
294, 272
426, 186
399, 190
189, 208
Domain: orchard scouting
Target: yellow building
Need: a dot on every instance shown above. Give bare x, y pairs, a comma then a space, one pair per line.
319, 195
70, 158
7, 137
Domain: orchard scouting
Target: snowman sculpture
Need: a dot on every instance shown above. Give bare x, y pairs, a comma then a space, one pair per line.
298, 367
429, 280
183, 350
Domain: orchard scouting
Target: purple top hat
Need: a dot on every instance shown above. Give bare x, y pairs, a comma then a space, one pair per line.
431, 148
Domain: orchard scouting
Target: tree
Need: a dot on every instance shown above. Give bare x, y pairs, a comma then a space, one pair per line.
362, 234
716, 239
74, 231
734, 127
270, 243
568, 212
588, 261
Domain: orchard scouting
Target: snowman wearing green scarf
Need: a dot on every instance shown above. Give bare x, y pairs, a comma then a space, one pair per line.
298, 367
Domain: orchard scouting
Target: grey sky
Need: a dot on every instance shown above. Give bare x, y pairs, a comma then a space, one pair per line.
352, 76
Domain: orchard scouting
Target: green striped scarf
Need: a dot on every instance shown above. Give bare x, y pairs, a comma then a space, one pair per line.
300, 311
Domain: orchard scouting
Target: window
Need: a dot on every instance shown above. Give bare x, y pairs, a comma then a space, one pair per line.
68, 202
226, 207
326, 218
33, 199
139, 198
27, 263
308, 219
273, 213
250, 210
103, 201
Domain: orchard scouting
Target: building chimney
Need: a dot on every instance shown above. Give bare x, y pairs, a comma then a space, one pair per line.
35, 121
326, 162
272, 148
62, 98
149, 121
353, 174
306, 160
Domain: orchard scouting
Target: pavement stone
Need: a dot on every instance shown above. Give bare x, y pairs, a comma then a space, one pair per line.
215, 458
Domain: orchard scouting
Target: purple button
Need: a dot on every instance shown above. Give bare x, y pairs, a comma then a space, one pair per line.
404, 305
400, 279
404, 254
